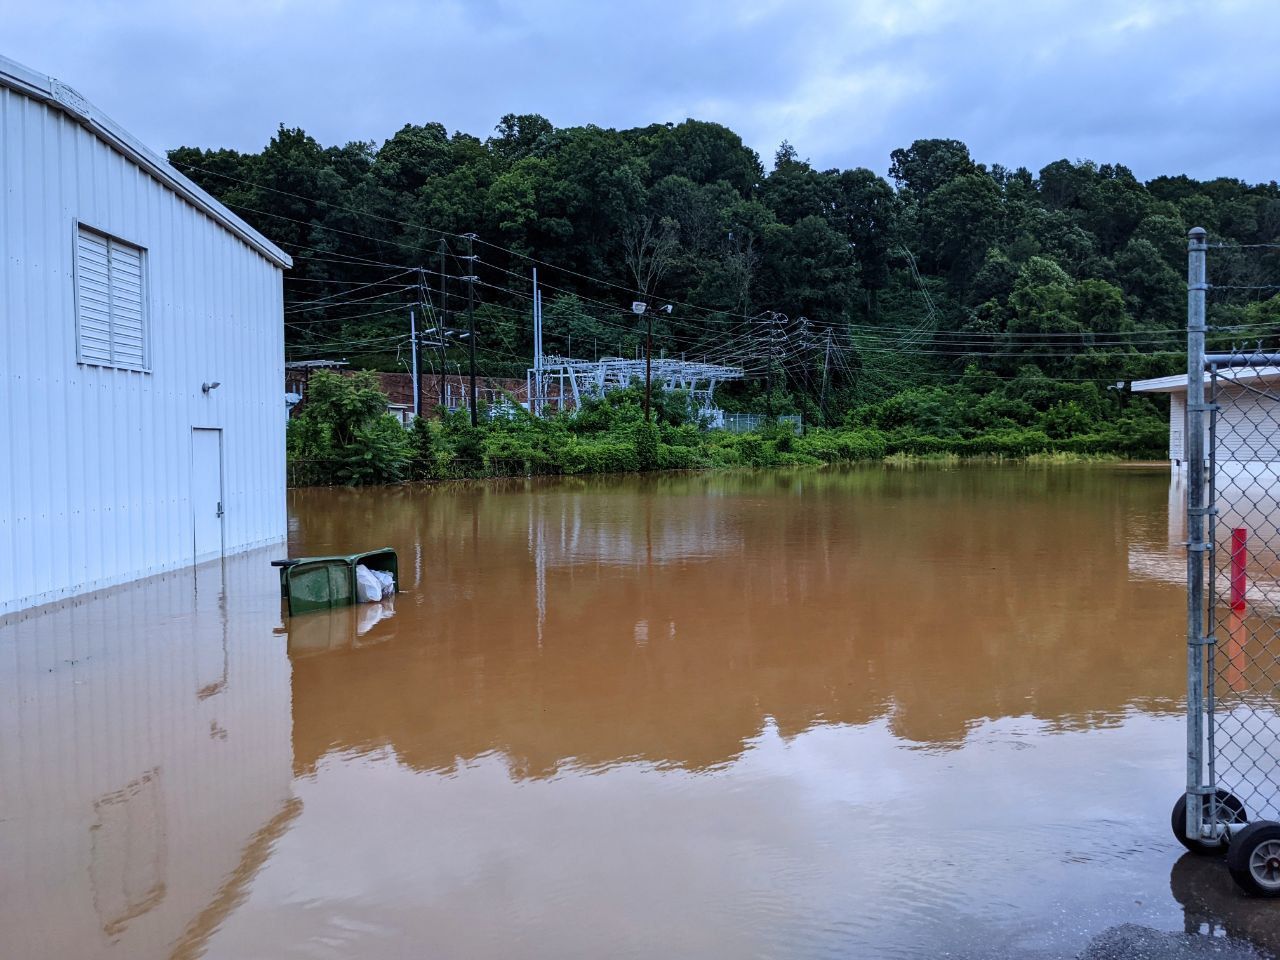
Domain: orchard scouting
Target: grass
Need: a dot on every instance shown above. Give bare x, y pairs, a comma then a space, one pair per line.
932, 459
1067, 456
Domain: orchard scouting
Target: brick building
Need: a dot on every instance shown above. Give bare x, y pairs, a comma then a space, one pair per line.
454, 388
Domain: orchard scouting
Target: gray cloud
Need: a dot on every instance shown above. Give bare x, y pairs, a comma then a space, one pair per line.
1167, 87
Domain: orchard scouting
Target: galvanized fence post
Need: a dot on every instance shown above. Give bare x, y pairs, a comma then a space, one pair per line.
1196, 543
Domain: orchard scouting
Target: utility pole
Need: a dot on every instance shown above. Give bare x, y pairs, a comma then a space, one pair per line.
443, 319
826, 362
471, 318
771, 321
417, 369
768, 381
535, 395
428, 312
641, 309
648, 364
768, 372
806, 354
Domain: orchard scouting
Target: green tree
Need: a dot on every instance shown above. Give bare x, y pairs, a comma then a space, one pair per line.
343, 433
520, 135
927, 165
960, 220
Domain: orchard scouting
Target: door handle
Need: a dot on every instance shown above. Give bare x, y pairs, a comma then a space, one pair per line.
219, 513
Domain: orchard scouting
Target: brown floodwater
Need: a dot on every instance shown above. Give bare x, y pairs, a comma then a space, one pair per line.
820, 713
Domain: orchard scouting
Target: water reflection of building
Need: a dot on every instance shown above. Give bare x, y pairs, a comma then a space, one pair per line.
1245, 499
144, 763
1245, 440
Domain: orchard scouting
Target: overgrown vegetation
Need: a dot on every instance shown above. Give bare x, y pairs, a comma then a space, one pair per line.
954, 306
342, 435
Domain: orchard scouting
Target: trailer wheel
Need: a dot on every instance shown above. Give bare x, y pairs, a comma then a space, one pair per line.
1254, 859
1230, 810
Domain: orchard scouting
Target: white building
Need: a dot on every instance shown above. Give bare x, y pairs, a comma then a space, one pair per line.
1246, 475
1248, 427
141, 357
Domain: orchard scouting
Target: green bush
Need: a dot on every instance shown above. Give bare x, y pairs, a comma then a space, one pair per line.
646, 446
344, 435
517, 442
425, 464
835, 446
676, 457
1011, 442
1066, 418
599, 456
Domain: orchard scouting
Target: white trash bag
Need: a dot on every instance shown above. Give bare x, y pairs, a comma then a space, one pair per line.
371, 614
388, 583
368, 586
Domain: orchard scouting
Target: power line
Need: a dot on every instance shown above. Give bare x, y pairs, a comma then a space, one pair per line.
417, 226
872, 340
726, 314
562, 269
321, 302
882, 332
304, 324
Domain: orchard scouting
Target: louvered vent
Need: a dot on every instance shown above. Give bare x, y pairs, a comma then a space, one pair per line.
111, 313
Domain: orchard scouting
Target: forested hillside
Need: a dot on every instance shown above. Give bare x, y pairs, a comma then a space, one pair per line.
953, 297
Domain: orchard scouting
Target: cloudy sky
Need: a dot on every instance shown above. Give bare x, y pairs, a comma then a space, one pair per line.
1164, 87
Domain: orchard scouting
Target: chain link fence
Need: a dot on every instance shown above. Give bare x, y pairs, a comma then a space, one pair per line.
1244, 570
751, 422
1233, 596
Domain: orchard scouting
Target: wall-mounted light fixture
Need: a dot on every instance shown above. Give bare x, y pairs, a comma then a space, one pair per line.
206, 387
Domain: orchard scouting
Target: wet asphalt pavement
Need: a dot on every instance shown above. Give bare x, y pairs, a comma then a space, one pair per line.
1132, 942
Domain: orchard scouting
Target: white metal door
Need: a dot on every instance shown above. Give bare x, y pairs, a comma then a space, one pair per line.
206, 492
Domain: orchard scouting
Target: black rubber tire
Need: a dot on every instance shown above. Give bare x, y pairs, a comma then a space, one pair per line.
1243, 846
1178, 823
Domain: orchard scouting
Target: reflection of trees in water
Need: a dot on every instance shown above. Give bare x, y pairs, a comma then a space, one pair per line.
934, 598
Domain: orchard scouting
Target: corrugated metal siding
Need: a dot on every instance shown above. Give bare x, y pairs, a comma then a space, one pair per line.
1248, 428
1177, 426
95, 485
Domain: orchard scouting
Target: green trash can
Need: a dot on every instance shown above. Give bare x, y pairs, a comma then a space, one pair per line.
319, 583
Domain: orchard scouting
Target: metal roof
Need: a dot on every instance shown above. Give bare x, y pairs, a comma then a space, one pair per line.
1178, 382
59, 96
314, 364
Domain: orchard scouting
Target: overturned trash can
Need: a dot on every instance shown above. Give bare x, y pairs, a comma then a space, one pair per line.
321, 583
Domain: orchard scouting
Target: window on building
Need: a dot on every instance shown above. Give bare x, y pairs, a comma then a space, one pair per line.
111, 309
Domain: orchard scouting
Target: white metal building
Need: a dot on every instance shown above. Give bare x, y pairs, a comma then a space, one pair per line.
141, 357
1249, 430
